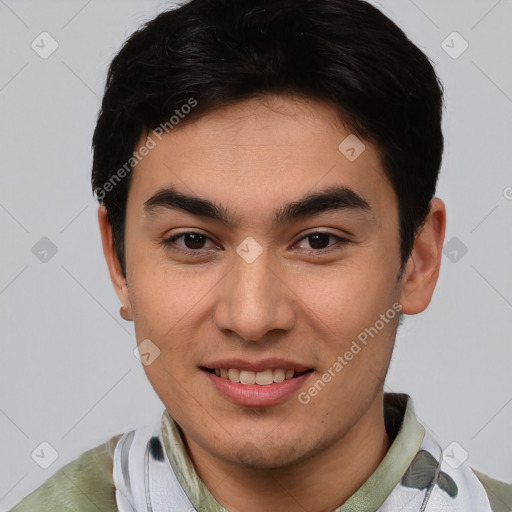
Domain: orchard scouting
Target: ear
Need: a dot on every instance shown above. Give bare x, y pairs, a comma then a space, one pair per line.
114, 267
422, 267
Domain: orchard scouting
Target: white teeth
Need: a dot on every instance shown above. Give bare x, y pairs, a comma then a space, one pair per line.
263, 378
234, 375
278, 375
247, 377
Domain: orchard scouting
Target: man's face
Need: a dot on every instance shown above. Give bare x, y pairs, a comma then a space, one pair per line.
278, 289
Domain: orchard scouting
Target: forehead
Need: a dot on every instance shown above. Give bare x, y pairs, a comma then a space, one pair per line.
260, 152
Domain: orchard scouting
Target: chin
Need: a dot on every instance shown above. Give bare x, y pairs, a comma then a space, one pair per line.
267, 455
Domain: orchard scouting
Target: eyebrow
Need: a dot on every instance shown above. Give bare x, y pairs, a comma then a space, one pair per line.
334, 198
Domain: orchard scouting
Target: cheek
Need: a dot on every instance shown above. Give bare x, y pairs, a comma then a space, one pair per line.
164, 293
354, 341
348, 298
171, 307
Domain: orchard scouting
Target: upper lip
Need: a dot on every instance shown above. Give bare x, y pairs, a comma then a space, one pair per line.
257, 366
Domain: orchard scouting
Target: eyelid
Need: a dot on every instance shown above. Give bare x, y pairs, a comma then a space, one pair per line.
169, 241
340, 239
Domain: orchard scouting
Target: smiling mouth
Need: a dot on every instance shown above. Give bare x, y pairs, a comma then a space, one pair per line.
263, 378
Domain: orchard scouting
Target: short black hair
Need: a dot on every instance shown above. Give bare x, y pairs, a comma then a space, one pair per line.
207, 54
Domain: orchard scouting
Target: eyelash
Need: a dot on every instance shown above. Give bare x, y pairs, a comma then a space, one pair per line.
168, 243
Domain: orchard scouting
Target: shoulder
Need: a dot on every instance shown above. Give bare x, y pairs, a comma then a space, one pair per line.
499, 493
84, 484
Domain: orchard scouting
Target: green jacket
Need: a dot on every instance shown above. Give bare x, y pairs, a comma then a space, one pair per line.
86, 484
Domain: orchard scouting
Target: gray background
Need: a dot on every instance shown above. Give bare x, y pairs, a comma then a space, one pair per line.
68, 375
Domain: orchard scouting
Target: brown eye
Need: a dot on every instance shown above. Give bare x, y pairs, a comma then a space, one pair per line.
192, 241
321, 241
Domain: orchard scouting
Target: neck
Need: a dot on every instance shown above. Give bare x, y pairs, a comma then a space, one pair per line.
321, 483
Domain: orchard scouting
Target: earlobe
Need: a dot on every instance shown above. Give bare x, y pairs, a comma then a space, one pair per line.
114, 267
126, 313
422, 269
126, 309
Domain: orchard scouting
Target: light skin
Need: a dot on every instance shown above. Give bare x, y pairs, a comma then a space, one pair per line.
304, 299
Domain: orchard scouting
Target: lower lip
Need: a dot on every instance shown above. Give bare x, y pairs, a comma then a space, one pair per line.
254, 395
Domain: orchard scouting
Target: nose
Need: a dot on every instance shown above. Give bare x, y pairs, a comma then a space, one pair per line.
254, 300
